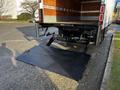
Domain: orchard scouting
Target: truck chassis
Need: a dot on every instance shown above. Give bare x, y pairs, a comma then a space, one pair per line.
83, 33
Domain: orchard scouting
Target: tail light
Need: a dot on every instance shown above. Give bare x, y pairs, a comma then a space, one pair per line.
102, 10
101, 19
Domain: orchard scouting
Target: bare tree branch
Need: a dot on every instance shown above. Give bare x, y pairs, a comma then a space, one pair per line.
2, 2
30, 7
3, 6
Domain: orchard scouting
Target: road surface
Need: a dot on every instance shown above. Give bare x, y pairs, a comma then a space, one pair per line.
16, 75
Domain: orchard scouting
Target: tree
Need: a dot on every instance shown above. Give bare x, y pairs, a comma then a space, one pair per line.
30, 7
5, 6
2, 2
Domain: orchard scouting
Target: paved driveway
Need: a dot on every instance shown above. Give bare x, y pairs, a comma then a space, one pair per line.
16, 75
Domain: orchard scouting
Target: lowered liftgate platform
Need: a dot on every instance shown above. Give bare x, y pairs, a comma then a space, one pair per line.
68, 63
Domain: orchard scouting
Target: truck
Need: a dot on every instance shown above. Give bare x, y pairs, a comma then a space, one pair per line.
78, 21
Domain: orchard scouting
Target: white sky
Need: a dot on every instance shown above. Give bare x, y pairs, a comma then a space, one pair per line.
18, 4
118, 4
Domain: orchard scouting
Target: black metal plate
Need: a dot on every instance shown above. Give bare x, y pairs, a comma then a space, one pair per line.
67, 63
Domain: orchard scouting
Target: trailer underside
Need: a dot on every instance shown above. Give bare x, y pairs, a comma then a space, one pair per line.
84, 32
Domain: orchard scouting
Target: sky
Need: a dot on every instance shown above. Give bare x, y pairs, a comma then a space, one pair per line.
118, 0
118, 4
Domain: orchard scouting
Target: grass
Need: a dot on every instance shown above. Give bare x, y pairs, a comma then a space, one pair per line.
114, 83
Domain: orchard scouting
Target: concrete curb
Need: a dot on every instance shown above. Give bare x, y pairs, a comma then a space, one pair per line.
106, 75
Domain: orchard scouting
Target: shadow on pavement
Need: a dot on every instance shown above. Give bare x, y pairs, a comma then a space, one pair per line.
5, 54
67, 63
28, 31
4, 51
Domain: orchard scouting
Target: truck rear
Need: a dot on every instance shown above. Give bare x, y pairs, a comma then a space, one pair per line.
82, 21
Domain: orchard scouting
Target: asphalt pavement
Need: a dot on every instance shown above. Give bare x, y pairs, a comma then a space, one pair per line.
20, 76
17, 38
16, 75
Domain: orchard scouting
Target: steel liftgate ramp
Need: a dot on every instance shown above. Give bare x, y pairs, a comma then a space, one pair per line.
68, 63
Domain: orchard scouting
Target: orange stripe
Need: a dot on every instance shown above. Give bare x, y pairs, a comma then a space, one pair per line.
50, 12
62, 3
57, 12
50, 2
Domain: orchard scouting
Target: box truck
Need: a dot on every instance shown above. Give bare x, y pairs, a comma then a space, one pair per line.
78, 21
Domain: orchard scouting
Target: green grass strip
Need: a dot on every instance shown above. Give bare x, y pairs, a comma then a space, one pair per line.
114, 83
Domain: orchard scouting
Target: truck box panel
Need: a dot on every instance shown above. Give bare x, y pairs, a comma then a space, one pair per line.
90, 14
70, 10
53, 12
65, 4
90, 6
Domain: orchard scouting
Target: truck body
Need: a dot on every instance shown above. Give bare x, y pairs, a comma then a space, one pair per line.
76, 20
